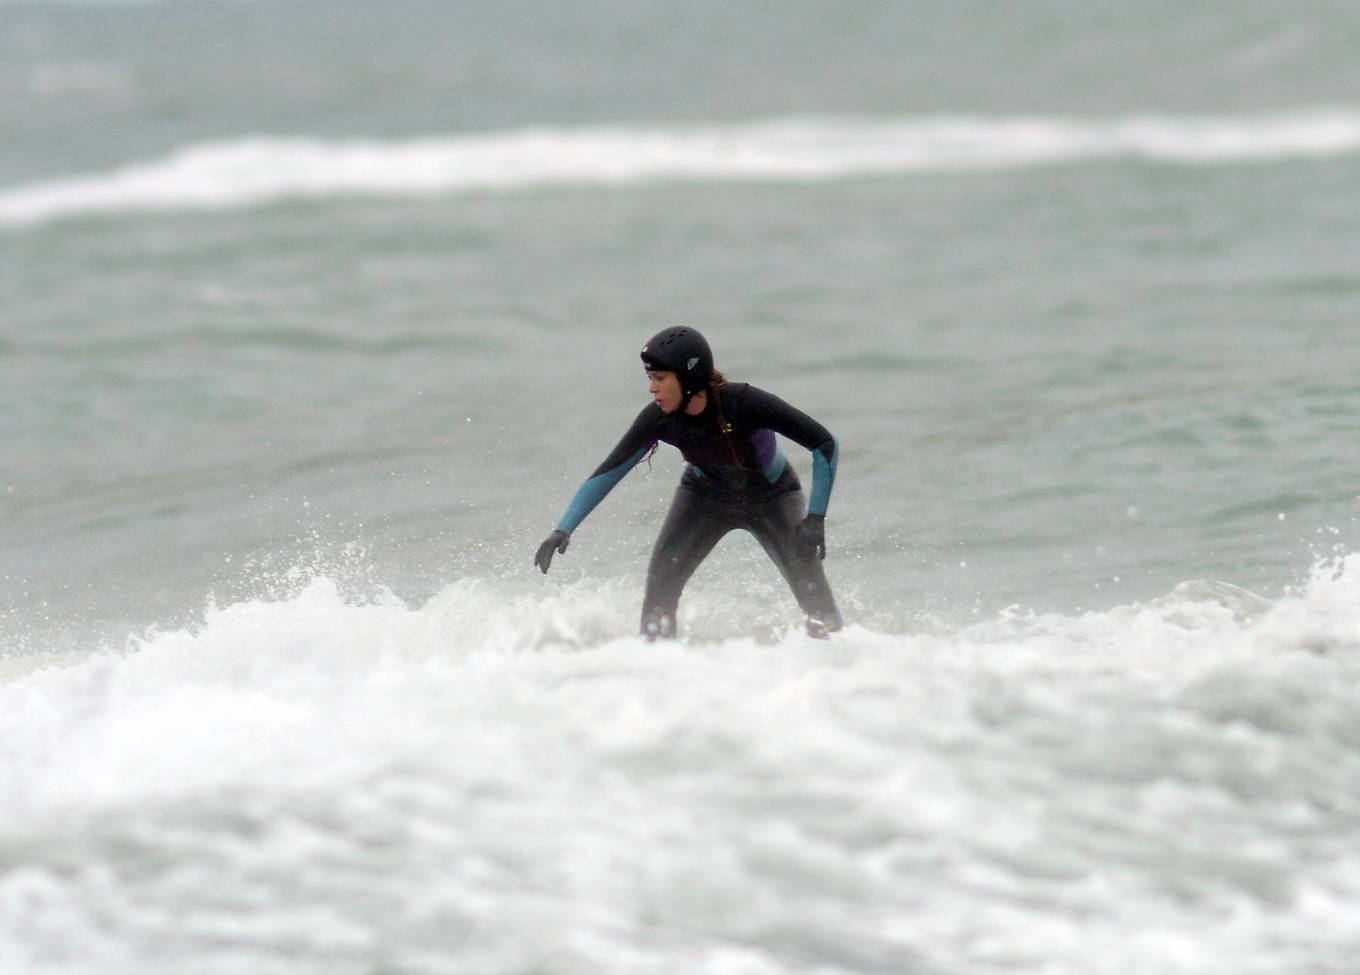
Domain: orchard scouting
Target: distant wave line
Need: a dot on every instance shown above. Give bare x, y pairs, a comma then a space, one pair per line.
258, 171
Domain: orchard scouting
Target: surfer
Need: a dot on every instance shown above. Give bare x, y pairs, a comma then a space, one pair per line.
736, 477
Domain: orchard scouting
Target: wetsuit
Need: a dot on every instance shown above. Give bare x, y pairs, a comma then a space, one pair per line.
737, 477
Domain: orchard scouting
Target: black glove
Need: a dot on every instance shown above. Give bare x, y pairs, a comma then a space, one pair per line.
809, 538
557, 540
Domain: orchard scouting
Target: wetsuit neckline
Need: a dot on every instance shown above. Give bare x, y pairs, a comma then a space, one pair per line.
706, 414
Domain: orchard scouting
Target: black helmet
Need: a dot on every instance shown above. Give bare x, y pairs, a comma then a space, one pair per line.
684, 352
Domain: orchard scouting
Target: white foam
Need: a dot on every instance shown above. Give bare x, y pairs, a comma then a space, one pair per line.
504, 780
250, 172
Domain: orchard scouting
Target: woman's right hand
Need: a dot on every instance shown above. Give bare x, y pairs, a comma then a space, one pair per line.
557, 540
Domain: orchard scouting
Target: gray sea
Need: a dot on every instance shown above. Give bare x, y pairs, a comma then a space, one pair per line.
314, 314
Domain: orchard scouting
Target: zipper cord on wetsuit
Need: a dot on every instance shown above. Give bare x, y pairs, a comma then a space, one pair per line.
726, 429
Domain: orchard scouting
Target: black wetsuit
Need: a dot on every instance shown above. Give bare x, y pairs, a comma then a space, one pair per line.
736, 478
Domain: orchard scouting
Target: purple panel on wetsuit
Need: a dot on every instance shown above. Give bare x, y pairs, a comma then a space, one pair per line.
763, 442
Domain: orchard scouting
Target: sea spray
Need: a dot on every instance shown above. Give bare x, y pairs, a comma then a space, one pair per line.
498, 780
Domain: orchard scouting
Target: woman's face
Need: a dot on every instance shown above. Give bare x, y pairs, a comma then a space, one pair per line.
665, 389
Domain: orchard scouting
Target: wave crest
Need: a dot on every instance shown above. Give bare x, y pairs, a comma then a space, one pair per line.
258, 171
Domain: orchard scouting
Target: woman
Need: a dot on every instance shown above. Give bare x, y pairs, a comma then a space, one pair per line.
737, 478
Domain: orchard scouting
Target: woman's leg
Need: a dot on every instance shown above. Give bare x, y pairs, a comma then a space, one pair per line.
691, 529
774, 524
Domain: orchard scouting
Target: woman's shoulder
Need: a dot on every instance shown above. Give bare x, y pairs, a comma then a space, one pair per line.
749, 393
762, 406
747, 404
734, 391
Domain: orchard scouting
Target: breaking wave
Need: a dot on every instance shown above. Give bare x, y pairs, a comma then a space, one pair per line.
257, 171
499, 781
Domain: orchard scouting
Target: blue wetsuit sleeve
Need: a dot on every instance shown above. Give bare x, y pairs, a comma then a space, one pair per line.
622, 459
823, 476
767, 410
592, 492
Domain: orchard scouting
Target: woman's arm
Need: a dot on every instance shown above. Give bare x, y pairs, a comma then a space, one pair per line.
623, 458
767, 410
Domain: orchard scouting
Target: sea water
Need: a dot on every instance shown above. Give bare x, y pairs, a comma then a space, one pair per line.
313, 315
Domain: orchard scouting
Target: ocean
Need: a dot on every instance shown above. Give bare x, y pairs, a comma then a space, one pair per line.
315, 314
